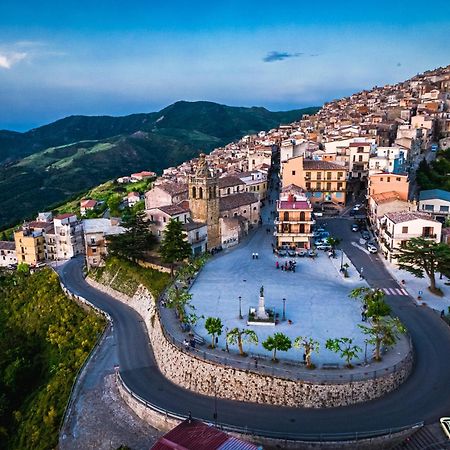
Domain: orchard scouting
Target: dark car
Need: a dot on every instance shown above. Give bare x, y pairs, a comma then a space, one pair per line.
365, 235
355, 227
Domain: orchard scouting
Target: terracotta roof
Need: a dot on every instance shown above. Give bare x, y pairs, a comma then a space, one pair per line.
302, 204
39, 225
407, 216
174, 188
360, 144
309, 164
64, 216
88, 203
386, 197
189, 226
229, 181
7, 245
173, 210
236, 200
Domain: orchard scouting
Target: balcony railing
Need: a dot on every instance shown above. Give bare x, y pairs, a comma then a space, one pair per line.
294, 222
199, 239
286, 234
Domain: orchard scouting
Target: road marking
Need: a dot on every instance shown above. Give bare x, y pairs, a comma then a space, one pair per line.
360, 247
395, 291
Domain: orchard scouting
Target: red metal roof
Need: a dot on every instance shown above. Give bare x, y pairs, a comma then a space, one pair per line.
195, 435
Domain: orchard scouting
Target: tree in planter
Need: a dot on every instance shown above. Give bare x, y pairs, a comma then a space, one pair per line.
310, 346
214, 327
422, 256
374, 301
179, 299
238, 336
345, 347
174, 246
385, 331
135, 242
278, 341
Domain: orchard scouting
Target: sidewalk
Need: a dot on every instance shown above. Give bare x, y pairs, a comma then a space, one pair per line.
414, 285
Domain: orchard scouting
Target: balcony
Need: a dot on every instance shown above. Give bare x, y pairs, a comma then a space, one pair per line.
294, 222
280, 233
196, 240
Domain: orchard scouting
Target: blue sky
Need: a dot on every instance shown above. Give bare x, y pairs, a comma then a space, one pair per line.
113, 57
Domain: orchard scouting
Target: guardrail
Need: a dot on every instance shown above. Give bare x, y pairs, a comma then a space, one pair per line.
304, 437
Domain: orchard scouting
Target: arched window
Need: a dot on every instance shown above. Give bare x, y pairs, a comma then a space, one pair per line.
194, 192
200, 192
302, 216
286, 216
228, 191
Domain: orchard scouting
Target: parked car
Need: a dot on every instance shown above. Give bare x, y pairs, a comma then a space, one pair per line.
324, 234
352, 212
372, 247
301, 252
355, 227
365, 235
323, 246
320, 242
291, 252
311, 253
357, 207
445, 424
282, 253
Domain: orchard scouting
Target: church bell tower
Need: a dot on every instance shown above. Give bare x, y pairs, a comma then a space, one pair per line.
204, 200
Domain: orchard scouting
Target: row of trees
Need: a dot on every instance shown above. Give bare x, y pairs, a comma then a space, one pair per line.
383, 331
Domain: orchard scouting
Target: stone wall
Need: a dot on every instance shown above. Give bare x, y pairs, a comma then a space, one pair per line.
206, 377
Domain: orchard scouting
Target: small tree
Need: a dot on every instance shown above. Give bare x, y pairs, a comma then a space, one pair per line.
214, 327
385, 331
374, 301
180, 299
345, 347
174, 246
310, 346
278, 341
333, 242
422, 256
238, 336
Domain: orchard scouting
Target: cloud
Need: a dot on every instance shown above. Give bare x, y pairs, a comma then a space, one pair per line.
280, 56
7, 60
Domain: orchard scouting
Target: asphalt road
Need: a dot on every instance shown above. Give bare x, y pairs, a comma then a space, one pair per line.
425, 396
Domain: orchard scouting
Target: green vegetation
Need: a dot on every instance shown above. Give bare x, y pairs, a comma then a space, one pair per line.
125, 276
135, 242
278, 341
239, 336
180, 299
44, 339
344, 346
435, 174
310, 346
51, 164
422, 256
214, 328
174, 246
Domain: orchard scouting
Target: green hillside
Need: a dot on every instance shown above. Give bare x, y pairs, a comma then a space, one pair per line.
142, 141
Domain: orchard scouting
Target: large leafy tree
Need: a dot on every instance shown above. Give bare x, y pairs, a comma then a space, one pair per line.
180, 299
136, 241
278, 341
383, 332
422, 256
345, 347
373, 299
239, 336
174, 246
309, 345
214, 327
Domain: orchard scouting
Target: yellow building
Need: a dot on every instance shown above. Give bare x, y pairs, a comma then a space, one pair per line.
30, 245
324, 181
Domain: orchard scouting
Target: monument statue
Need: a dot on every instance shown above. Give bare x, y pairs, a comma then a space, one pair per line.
261, 312
261, 291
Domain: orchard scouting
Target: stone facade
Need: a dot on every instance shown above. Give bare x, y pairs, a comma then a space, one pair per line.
208, 378
204, 201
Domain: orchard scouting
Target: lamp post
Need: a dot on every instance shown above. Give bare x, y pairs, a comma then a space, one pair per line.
226, 340
240, 311
342, 259
284, 309
365, 352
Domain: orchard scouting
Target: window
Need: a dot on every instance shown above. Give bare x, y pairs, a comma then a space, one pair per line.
92, 240
302, 228
308, 185
360, 158
200, 192
340, 174
302, 215
293, 172
339, 186
318, 185
443, 209
403, 244
398, 179
328, 175
94, 250
308, 175
164, 219
404, 230
228, 191
388, 179
194, 192
429, 207
286, 216
328, 186
319, 175
245, 211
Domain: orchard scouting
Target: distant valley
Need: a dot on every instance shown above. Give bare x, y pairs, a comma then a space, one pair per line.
52, 163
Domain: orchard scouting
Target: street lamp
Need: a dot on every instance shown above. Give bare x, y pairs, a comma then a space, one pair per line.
240, 311
284, 309
342, 259
226, 340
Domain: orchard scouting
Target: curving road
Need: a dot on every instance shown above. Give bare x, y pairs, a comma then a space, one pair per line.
425, 396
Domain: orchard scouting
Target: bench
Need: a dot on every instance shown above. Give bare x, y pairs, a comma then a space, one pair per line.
330, 366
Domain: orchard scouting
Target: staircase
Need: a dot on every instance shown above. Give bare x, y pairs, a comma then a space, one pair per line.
429, 437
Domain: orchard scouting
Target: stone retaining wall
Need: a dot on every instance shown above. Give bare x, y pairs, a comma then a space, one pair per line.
209, 378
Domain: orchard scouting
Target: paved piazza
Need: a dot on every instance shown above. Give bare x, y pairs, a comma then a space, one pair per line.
316, 295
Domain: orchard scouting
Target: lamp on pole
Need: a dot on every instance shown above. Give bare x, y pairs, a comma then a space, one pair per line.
284, 309
240, 311
226, 340
342, 259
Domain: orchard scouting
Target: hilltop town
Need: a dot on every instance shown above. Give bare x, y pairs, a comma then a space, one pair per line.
365, 148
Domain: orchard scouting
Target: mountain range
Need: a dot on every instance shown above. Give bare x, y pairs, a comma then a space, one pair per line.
50, 164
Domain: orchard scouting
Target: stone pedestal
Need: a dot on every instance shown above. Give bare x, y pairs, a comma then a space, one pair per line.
261, 311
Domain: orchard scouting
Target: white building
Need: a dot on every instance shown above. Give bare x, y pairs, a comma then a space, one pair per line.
68, 236
7, 253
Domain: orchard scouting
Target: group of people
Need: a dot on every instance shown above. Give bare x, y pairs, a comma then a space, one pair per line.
288, 266
189, 343
255, 255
